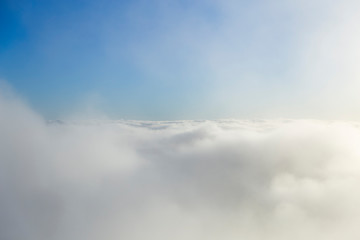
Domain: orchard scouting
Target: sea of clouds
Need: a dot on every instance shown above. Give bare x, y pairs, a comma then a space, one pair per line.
178, 180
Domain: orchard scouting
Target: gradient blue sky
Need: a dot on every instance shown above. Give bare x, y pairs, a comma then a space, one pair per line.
183, 59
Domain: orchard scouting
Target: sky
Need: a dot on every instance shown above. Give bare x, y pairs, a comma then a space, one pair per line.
260, 109
165, 60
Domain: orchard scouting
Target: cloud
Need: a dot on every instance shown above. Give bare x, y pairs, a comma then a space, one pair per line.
223, 179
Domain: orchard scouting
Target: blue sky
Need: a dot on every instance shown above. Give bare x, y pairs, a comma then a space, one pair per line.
183, 59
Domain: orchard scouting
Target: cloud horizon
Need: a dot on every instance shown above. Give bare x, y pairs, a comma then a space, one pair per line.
224, 179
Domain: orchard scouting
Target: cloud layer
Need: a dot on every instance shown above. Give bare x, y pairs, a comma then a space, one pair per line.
224, 179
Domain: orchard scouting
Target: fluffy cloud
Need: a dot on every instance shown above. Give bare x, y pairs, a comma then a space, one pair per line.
224, 179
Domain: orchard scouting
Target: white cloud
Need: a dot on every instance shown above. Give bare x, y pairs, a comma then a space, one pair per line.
224, 179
